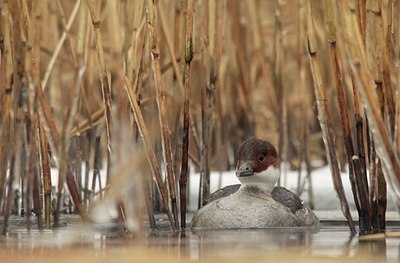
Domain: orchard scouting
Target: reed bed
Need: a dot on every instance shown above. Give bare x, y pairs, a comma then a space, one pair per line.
92, 86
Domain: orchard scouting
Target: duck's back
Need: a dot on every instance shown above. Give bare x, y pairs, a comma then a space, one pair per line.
244, 210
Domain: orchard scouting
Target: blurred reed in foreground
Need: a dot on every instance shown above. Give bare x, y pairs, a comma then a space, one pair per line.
87, 83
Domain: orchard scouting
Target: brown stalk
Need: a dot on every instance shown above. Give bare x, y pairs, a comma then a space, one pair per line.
207, 95
103, 70
258, 45
55, 141
74, 55
36, 191
304, 118
63, 151
324, 117
358, 179
151, 157
174, 61
185, 138
7, 90
46, 175
362, 18
87, 124
96, 163
361, 72
10, 193
148, 202
278, 61
381, 60
389, 30
161, 103
239, 45
60, 43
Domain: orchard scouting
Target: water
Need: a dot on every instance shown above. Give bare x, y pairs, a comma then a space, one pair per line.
80, 243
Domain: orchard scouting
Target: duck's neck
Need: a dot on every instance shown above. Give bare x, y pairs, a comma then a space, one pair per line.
258, 189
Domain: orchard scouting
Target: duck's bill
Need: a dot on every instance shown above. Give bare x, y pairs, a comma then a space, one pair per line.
244, 170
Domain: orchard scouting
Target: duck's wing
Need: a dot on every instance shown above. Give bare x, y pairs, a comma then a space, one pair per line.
287, 198
223, 192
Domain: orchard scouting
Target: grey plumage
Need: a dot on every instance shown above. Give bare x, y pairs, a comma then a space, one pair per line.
279, 194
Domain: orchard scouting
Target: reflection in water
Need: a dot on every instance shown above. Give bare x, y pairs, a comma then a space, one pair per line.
258, 245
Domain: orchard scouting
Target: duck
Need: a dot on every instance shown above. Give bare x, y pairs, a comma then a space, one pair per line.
256, 202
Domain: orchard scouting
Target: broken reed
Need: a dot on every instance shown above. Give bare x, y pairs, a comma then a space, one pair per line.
249, 75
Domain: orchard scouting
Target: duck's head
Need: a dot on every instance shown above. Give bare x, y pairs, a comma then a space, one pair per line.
257, 163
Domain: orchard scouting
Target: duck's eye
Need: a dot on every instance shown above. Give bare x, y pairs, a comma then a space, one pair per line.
261, 158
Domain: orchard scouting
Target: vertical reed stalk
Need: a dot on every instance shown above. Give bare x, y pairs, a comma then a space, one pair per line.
381, 60
55, 142
185, 138
103, 70
162, 110
151, 157
46, 175
361, 72
278, 83
10, 193
324, 117
359, 184
362, 17
7, 90
68, 121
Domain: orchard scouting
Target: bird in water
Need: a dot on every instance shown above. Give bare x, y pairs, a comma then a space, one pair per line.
256, 202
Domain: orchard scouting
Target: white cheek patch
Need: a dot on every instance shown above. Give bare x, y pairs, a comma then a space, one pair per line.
269, 176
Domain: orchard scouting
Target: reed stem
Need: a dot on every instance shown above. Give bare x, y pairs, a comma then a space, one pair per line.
324, 117
162, 109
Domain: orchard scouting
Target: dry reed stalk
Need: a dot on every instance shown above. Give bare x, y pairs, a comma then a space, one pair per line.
36, 182
171, 50
359, 66
46, 175
149, 202
379, 217
86, 157
96, 164
75, 60
204, 185
67, 33
103, 71
258, 46
221, 64
7, 90
151, 157
10, 192
32, 171
324, 117
162, 110
239, 45
278, 84
55, 141
304, 152
65, 142
185, 137
87, 124
390, 35
178, 25
358, 178
381, 60
362, 18
60, 43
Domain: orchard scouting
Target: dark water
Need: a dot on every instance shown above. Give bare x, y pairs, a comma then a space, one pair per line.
81, 243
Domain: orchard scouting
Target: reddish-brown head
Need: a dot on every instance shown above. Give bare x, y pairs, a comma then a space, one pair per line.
257, 157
